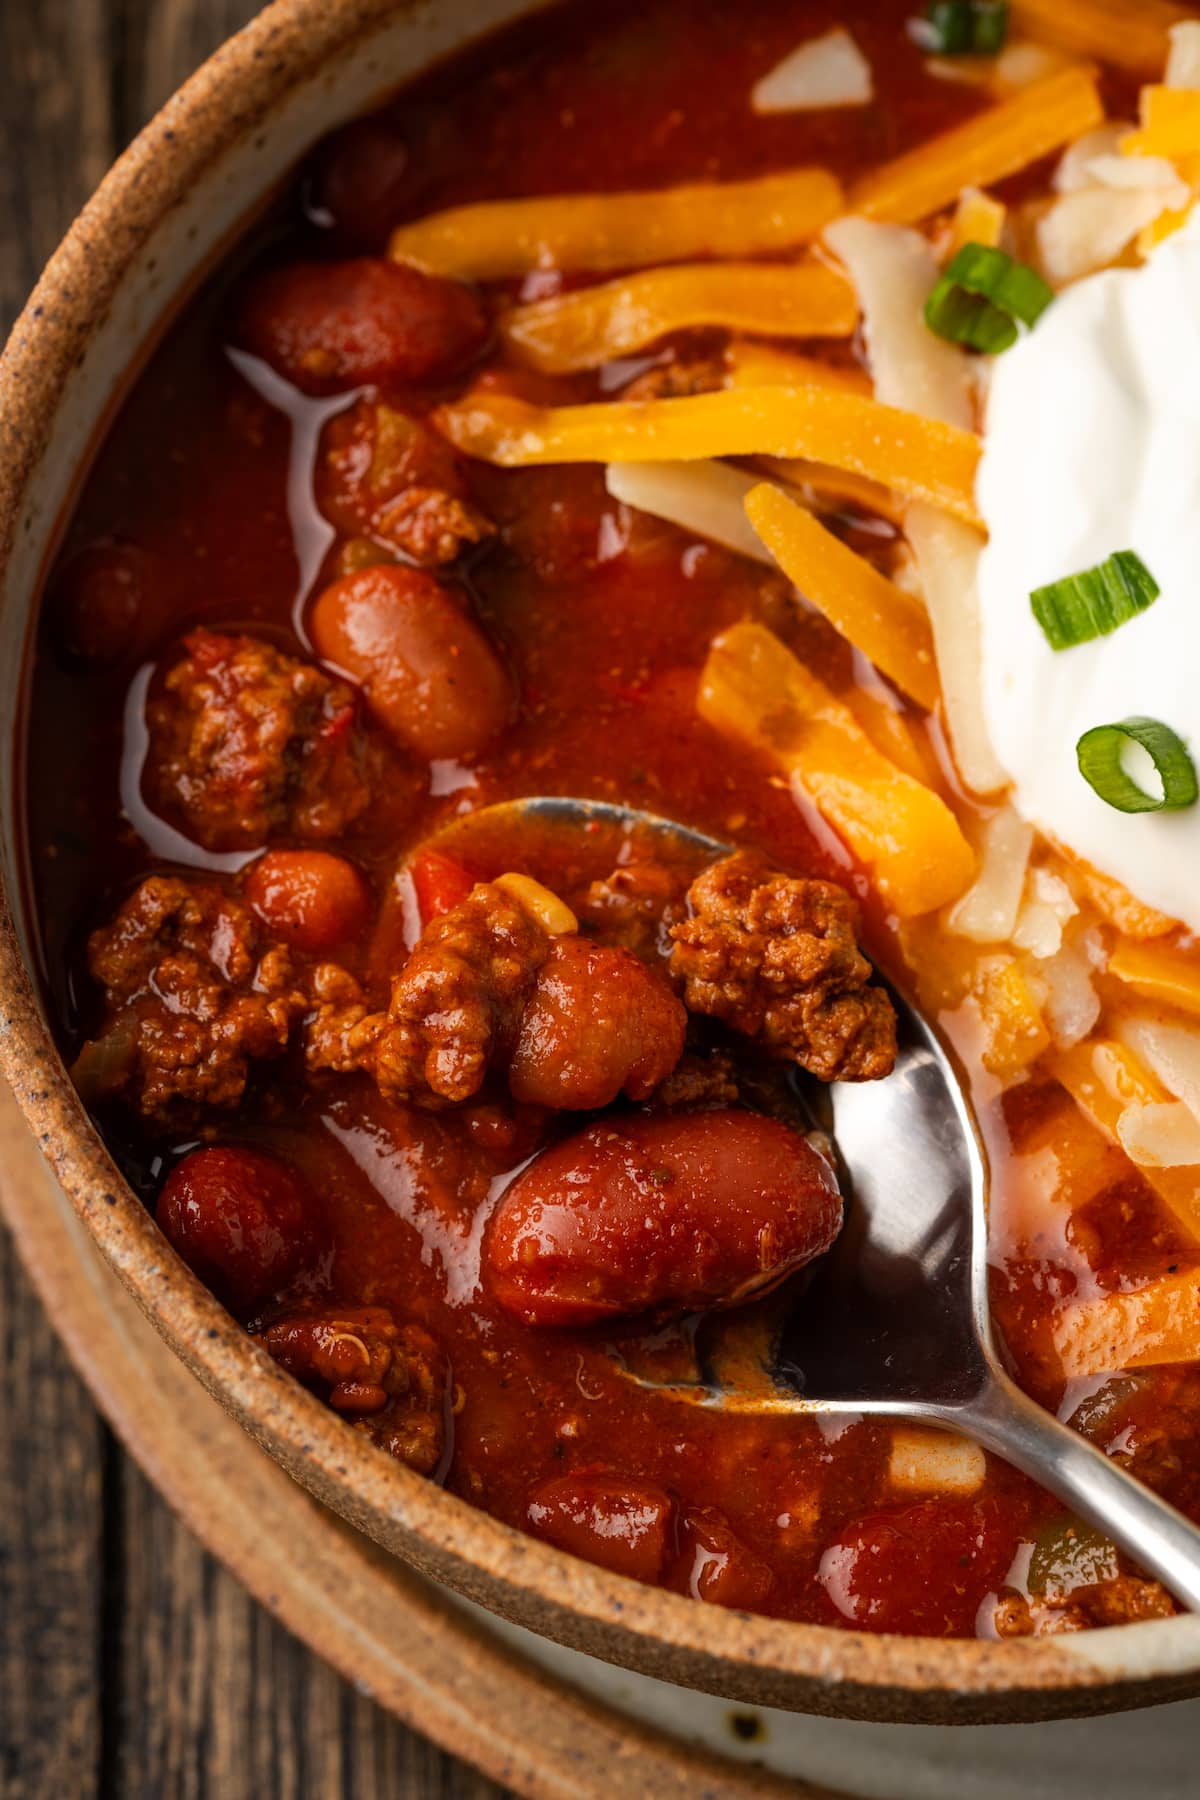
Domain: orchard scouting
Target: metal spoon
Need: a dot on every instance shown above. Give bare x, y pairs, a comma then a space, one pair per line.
896, 1320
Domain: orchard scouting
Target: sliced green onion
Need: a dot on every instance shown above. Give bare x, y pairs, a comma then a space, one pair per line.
1100, 751
962, 27
983, 297
1090, 605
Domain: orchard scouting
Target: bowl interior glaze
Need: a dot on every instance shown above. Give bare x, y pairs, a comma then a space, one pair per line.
188, 184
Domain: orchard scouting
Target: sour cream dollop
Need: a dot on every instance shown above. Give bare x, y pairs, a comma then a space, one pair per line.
1092, 445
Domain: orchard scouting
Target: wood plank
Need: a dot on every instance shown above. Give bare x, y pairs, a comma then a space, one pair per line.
53, 1447
51, 1532
56, 136
213, 1698
157, 43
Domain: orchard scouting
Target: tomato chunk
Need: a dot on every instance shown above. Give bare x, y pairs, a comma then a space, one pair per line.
313, 899
427, 671
925, 1570
665, 1214
241, 1220
619, 1524
326, 326
600, 1023
439, 883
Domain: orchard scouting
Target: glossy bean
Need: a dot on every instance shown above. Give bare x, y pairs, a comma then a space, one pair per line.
427, 671
664, 1214
241, 1220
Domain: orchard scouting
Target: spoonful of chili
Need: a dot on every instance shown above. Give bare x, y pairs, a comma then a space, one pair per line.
894, 1320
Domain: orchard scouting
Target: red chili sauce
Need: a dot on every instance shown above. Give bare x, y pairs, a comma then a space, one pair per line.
316, 1196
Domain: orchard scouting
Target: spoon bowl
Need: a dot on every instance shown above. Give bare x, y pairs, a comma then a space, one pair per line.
894, 1320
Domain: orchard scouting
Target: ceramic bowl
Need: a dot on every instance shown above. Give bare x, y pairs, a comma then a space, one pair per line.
217, 149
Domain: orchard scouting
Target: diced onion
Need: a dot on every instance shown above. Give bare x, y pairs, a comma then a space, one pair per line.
987, 912
826, 71
1088, 230
935, 1462
1165, 1136
707, 498
1172, 1051
894, 271
1183, 60
947, 554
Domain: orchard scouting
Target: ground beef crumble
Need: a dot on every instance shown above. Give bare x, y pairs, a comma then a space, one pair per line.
386, 477
1121, 1601
677, 379
246, 742
699, 1082
777, 958
455, 1006
390, 1379
193, 997
635, 908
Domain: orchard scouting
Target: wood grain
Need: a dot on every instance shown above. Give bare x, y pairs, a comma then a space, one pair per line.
132, 1667
52, 1453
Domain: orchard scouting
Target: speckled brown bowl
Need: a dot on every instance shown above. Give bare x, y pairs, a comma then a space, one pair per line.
177, 195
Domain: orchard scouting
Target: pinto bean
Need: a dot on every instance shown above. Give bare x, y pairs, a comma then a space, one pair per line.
310, 898
428, 673
327, 326
622, 1525
242, 1221
664, 1214
600, 1023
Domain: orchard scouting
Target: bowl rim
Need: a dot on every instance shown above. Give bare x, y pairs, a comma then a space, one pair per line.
811, 1667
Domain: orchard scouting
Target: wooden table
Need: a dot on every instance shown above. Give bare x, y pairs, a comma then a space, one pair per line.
131, 1664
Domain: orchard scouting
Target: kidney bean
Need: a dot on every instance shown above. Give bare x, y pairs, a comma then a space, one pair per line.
242, 1221
310, 898
923, 1569
328, 326
716, 1566
361, 180
428, 673
665, 1214
622, 1525
107, 602
599, 1023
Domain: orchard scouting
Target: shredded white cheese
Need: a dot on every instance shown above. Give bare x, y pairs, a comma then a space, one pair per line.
826, 71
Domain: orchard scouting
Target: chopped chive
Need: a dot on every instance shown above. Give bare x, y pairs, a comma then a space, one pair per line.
982, 298
1095, 602
1100, 750
962, 27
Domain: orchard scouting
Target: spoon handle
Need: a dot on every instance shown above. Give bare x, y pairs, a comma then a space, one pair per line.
1154, 1534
